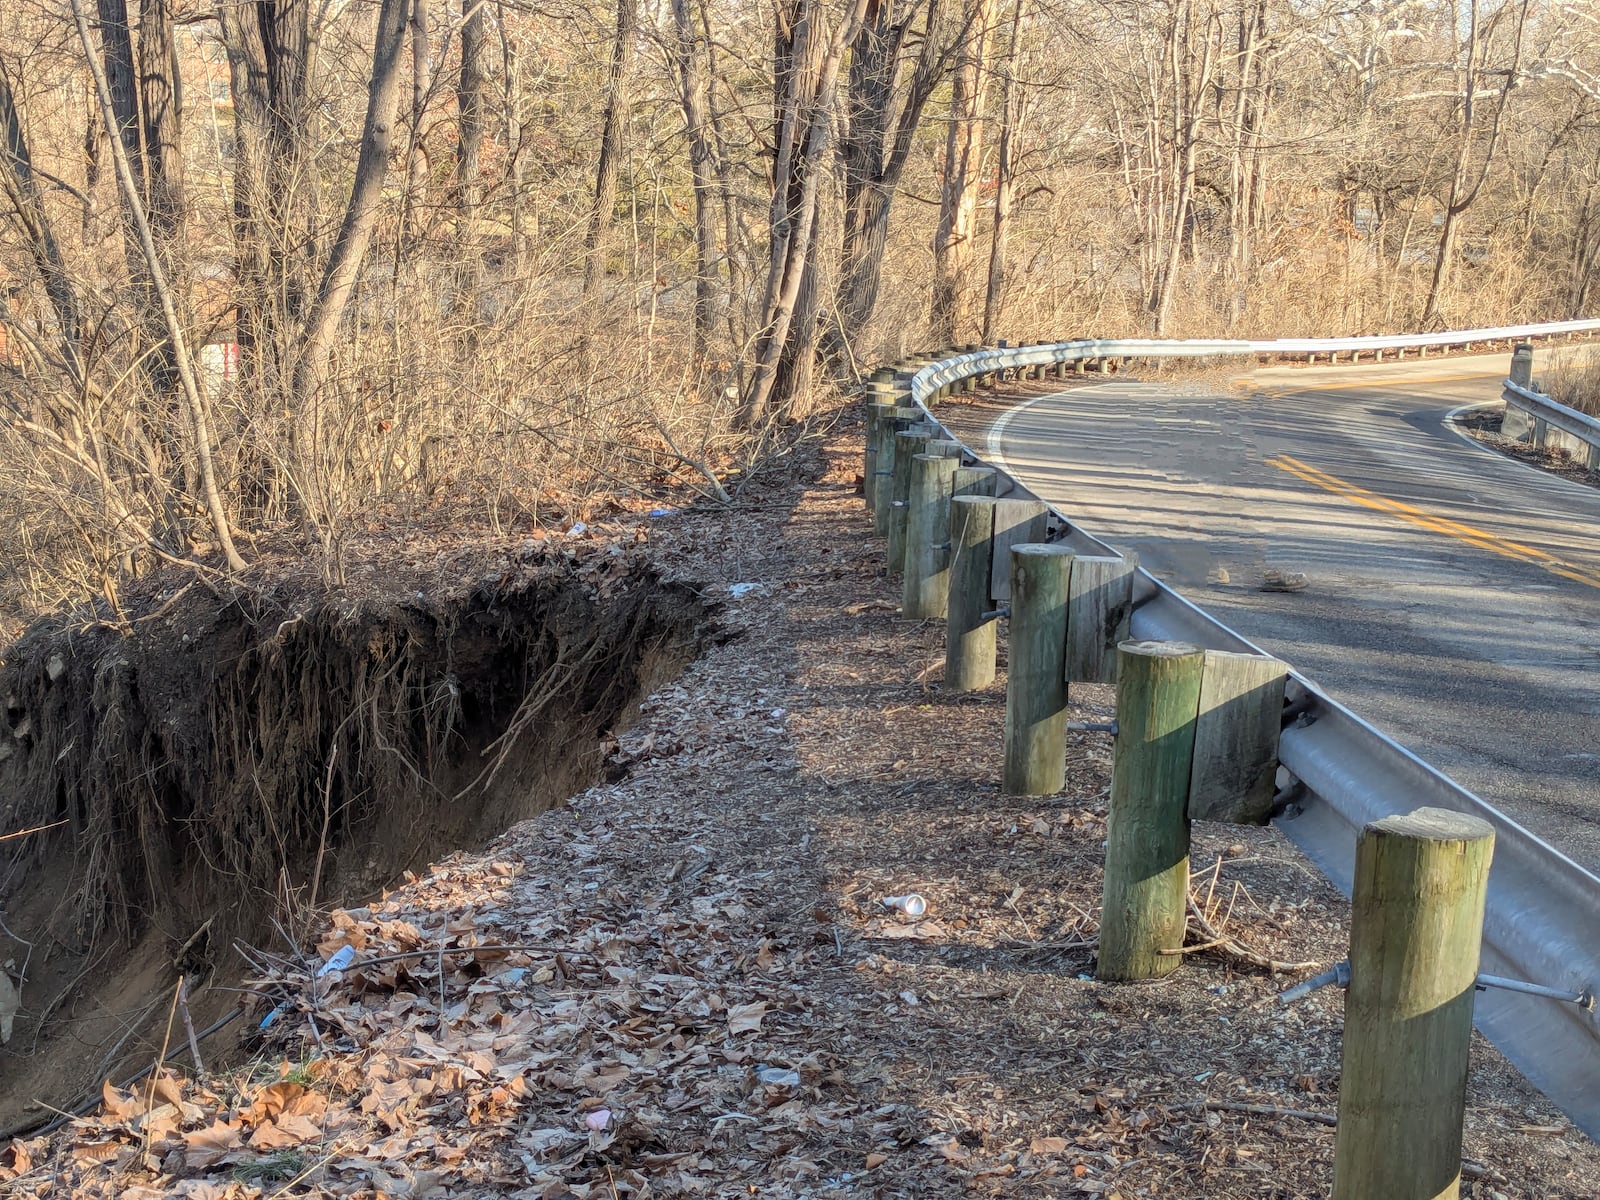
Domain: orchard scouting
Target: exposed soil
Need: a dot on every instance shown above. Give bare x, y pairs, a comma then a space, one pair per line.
684, 984
241, 756
1483, 425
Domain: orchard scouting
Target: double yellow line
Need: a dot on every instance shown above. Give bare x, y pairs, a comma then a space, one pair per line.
1423, 519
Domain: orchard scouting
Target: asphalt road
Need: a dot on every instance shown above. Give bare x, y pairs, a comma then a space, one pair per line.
1454, 596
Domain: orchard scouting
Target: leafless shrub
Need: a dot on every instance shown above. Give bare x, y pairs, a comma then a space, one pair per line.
1573, 379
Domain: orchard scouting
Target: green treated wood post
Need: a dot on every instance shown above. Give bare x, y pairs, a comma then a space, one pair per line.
1098, 612
1145, 900
880, 404
1236, 738
975, 481
927, 552
902, 418
1415, 930
969, 637
1036, 681
907, 446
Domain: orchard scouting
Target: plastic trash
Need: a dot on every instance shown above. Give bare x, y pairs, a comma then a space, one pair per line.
778, 1077
911, 904
740, 590
598, 1120
578, 529
663, 512
342, 958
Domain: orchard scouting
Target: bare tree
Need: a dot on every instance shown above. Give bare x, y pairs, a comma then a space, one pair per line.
805, 107
1005, 177
1467, 180
963, 169
696, 122
21, 186
883, 112
609, 159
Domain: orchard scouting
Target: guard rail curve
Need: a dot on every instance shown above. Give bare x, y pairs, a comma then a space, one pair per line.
1543, 913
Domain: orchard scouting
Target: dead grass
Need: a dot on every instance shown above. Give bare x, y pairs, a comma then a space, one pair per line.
1573, 378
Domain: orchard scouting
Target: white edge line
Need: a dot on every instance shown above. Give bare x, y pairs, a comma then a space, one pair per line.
997, 431
1450, 424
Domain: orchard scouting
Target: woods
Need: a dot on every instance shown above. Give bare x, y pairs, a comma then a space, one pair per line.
276, 270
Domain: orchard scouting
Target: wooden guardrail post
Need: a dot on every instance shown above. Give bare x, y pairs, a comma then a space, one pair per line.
982, 532
1146, 891
974, 481
1236, 738
880, 404
1522, 365
927, 551
1099, 609
907, 445
1414, 936
1036, 680
969, 635
897, 420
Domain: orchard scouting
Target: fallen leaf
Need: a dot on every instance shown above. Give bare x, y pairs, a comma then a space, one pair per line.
203, 1147
279, 1098
119, 1105
746, 1018
876, 1160
168, 1088
1048, 1145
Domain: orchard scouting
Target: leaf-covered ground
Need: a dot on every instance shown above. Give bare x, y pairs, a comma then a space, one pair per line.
685, 983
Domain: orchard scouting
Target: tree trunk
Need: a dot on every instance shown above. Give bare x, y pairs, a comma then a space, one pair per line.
1463, 193
134, 208
963, 169
693, 84
471, 100
609, 164
160, 105
21, 187
349, 249
162, 171
1005, 181
875, 150
421, 83
806, 103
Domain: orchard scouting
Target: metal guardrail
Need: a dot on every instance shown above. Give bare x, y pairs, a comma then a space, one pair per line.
1537, 407
1543, 918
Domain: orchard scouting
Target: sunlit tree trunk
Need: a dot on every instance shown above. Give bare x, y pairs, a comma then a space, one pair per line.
963, 170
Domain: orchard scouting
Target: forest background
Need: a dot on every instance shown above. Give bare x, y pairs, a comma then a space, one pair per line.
275, 270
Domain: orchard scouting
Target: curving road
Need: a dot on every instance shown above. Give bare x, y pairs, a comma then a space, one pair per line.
1454, 596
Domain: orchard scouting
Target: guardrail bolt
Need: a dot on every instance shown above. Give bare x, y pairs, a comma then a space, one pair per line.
1415, 931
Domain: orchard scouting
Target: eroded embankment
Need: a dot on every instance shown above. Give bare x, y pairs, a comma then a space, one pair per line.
240, 758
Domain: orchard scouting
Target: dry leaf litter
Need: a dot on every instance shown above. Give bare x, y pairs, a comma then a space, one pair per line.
686, 983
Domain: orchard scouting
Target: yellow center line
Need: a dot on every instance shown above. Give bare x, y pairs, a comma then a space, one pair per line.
1423, 519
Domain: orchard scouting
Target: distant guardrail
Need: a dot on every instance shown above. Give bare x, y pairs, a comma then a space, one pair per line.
1533, 417
1543, 913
